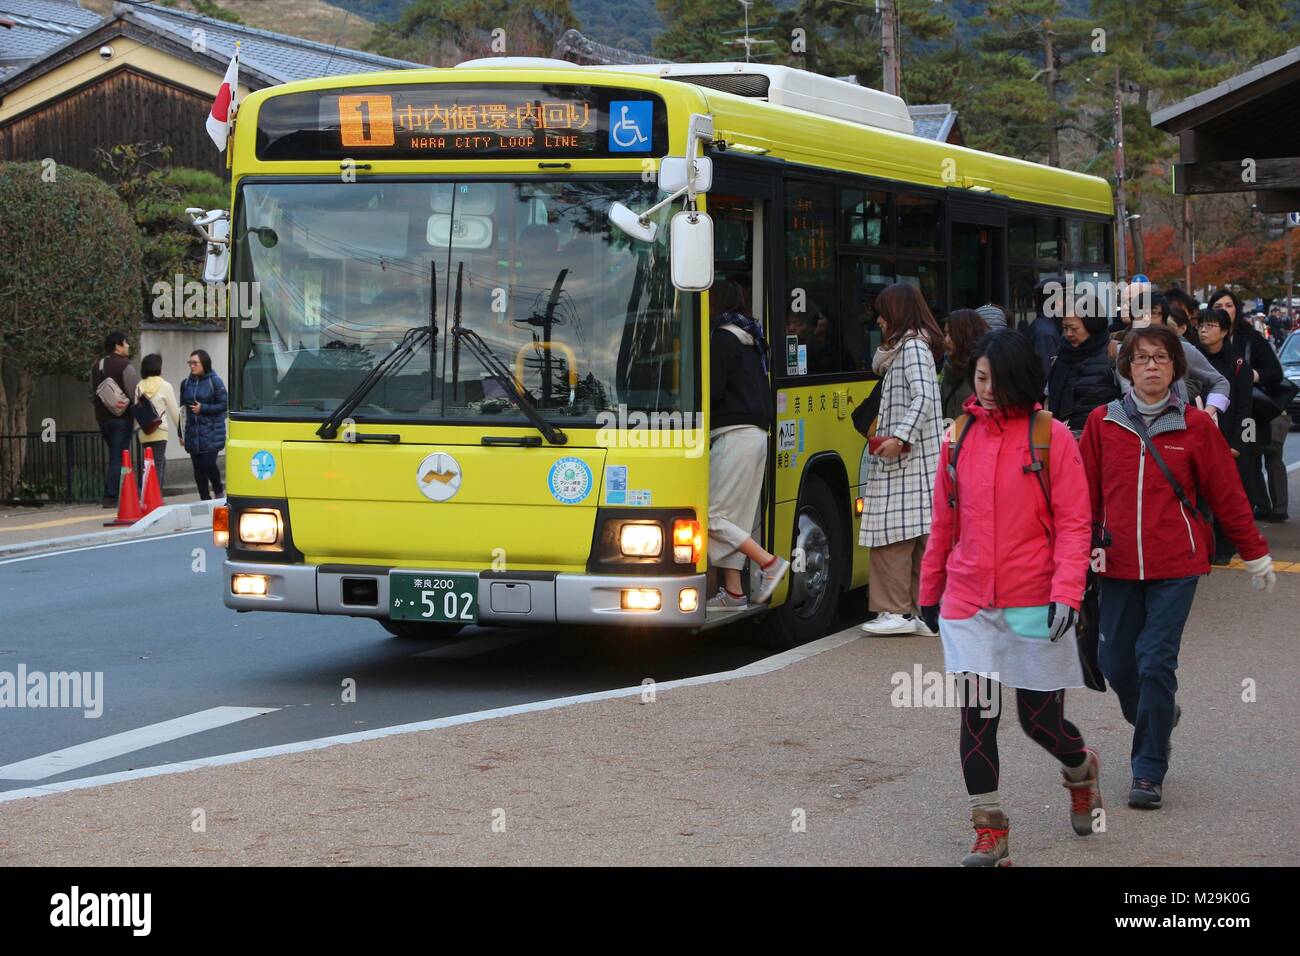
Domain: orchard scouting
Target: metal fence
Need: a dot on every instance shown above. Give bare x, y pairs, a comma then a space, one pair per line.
70, 468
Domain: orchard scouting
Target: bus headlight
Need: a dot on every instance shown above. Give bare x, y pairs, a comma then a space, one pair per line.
259, 527
641, 540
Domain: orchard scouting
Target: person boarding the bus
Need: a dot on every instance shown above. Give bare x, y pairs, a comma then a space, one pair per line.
740, 418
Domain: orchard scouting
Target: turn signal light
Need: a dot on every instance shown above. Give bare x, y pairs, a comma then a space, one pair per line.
688, 543
641, 599
221, 526
857, 506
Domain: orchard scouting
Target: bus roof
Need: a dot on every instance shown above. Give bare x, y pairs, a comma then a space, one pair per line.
797, 136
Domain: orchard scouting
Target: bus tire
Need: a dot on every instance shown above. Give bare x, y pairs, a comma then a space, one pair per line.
420, 630
812, 596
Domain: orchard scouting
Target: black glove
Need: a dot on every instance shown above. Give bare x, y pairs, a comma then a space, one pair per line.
930, 615
1060, 620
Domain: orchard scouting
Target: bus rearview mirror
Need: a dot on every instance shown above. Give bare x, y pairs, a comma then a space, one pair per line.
691, 251
672, 173
631, 223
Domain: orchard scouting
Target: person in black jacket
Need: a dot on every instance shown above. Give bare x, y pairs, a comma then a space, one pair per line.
1216, 326
1266, 372
740, 415
1082, 376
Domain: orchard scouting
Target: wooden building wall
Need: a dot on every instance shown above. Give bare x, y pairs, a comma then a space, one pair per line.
125, 106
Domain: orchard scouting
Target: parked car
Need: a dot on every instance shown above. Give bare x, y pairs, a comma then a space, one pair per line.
1289, 356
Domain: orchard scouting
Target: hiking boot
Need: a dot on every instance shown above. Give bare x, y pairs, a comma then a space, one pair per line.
1085, 794
890, 623
1144, 795
991, 846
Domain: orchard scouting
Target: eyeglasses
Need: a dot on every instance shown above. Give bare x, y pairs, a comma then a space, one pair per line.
1146, 358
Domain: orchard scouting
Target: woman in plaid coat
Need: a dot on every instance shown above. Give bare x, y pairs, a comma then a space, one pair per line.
900, 475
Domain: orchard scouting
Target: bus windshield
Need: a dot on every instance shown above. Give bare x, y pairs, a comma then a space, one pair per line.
585, 318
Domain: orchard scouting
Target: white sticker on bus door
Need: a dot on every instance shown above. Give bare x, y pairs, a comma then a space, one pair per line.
786, 435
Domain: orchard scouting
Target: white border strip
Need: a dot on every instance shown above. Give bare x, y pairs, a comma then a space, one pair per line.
96, 547
765, 666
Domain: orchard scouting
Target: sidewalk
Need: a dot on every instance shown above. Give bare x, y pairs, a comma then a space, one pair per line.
717, 773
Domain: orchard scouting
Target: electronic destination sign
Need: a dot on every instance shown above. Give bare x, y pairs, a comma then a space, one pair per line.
446, 120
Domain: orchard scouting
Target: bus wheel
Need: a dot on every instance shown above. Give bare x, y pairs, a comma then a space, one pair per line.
420, 630
813, 593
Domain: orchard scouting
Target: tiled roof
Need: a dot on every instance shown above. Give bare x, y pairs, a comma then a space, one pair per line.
276, 55
572, 44
38, 27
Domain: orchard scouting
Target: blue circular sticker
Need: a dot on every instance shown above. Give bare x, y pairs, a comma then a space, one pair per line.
570, 480
262, 465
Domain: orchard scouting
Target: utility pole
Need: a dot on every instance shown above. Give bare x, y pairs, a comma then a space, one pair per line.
890, 65
1121, 212
1188, 249
1053, 138
1288, 276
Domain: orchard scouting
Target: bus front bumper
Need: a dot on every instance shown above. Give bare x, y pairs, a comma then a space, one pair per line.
503, 598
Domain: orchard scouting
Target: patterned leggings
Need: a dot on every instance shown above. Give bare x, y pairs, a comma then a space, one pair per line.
1042, 717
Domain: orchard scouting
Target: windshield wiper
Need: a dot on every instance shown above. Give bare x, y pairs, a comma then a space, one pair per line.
504, 377
392, 362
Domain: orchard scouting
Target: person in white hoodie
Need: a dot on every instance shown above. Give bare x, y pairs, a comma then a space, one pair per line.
159, 391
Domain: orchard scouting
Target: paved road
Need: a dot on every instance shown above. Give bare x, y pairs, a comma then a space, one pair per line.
167, 648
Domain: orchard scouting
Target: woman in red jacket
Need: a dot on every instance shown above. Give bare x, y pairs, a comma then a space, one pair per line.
1156, 543
1008, 555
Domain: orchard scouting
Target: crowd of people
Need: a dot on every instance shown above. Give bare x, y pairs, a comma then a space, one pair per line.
1140, 440
130, 403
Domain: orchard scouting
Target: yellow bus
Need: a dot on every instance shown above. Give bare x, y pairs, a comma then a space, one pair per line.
475, 386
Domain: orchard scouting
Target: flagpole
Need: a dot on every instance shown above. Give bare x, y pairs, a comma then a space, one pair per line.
234, 108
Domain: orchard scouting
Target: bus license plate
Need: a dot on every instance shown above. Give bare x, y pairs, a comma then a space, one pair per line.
445, 598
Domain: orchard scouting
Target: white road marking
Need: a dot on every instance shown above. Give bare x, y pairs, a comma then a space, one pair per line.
764, 666
93, 751
111, 544
474, 646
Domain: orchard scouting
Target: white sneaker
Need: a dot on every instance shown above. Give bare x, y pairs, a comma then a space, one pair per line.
921, 627
890, 623
725, 599
770, 578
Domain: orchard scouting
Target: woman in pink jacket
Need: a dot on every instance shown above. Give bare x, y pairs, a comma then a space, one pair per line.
1008, 555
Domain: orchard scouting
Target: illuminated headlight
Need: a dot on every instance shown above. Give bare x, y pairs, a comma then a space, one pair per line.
641, 599
641, 540
249, 585
259, 527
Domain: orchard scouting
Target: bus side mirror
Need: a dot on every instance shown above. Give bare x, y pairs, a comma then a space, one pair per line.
214, 227
217, 260
672, 174
691, 251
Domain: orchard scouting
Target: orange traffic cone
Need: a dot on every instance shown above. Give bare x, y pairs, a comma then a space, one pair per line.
150, 493
128, 497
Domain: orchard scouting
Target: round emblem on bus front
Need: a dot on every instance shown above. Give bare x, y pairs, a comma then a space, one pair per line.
438, 476
570, 480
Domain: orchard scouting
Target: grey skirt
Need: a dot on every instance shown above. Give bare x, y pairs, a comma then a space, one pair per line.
986, 644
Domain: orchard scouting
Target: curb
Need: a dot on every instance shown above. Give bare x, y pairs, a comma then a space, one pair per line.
168, 519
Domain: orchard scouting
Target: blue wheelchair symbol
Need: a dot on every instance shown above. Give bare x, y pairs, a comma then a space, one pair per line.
630, 122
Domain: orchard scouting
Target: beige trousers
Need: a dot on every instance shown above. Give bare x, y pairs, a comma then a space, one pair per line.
735, 484
896, 576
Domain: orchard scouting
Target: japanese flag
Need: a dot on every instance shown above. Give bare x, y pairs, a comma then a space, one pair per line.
219, 118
